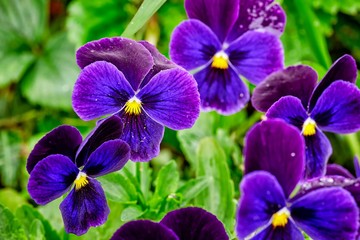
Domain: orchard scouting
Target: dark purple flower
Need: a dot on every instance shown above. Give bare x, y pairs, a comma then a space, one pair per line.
224, 39
61, 159
274, 160
189, 223
134, 81
332, 105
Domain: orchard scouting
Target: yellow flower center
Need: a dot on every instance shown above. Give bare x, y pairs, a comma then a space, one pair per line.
81, 181
309, 127
133, 106
280, 218
220, 61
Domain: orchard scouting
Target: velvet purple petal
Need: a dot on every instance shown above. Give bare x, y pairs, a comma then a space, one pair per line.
267, 147
290, 231
337, 170
129, 56
261, 197
338, 108
51, 178
255, 55
111, 156
64, 140
144, 230
357, 167
219, 15
194, 223
327, 213
264, 15
105, 130
193, 44
172, 99
84, 208
343, 69
143, 136
100, 89
298, 81
221, 90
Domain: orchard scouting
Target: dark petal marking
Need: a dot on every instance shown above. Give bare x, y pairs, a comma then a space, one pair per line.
290, 231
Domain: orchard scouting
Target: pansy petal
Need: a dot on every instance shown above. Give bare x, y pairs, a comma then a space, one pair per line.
105, 130
194, 223
111, 156
64, 140
290, 231
255, 55
219, 15
100, 89
221, 90
267, 147
51, 178
84, 208
193, 44
261, 197
357, 166
337, 170
338, 108
144, 229
323, 219
298, 81
129, 56
343, 69
143, 136
172, 99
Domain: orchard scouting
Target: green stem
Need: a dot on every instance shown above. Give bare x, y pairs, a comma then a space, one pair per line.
353, 143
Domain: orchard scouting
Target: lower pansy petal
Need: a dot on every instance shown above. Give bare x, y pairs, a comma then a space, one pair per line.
194, 223
84, 208
51, 178
290, 231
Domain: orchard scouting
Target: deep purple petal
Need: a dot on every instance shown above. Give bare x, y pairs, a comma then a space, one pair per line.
290, 231
261, 197
64, 140
267, 147
337, 170
100, 89
343, 69
143, 136
357, 166
129, 56
84, 208
221, 90
194, 223
51, 178
219, 15
264, 15
327, 213
111, 156
193, 44
144, 230
105, 130
172, 99
338, 108
298, 81
255, 55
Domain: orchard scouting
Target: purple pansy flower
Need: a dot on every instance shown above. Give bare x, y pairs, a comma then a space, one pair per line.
331, 105
191, 223
224, 39
274, 163
61, 159
134, 81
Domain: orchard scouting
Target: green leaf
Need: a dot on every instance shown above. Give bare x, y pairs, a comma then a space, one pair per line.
10, 228
192, 189
11, 199
37, 231
131, 213
13, 66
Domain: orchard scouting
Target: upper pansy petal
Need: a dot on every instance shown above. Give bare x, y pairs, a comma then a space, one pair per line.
337, 170
63, 140
105, 130
298, 81
144, 229
338, 108
172, 99
84, 208
194, 223
255, 55
100, 89
129, 56
323, 219
343, 69
51, 178
261, 197
219, 15
193, 45
290, 231
267, 147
